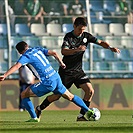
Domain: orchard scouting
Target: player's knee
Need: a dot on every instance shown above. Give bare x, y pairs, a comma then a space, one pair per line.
70, 97
89, 91
57, 98
53, 98
22, 95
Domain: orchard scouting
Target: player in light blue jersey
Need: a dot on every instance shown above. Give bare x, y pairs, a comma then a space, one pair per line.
49, 79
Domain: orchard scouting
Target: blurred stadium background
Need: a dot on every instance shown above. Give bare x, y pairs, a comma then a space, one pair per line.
114, 71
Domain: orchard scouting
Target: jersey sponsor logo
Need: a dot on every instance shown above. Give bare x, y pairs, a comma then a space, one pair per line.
51, 74
48, 69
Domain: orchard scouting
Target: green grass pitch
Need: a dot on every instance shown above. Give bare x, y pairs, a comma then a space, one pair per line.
65, 122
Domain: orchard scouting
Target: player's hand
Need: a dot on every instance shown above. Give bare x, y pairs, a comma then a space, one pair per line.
2, 78
63, 65
116, 50
82, 47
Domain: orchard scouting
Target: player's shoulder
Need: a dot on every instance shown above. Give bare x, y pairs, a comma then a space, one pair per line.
69, 34
87, 33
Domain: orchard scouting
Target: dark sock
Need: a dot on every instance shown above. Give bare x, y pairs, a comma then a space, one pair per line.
87, 104
44, 104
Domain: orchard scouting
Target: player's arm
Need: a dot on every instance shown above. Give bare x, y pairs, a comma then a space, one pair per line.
107, 46
11, 70
67, 51
57, 57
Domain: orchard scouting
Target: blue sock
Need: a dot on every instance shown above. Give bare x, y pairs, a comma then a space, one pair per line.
79, 102
29, 107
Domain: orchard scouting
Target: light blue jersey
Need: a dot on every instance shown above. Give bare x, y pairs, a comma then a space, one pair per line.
37, 57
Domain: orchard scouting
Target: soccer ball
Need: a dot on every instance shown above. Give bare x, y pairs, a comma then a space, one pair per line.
96, 115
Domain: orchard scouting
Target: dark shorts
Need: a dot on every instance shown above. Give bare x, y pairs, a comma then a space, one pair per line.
73, 77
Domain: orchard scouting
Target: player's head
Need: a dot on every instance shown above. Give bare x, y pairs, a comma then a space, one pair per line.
80, 21
79, 26
22, 47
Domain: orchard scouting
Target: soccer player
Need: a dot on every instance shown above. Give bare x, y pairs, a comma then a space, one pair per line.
73, 48
49, 79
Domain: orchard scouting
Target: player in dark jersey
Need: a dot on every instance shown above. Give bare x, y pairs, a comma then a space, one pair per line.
73, 48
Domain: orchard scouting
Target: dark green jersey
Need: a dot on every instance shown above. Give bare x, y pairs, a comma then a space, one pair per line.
74, 62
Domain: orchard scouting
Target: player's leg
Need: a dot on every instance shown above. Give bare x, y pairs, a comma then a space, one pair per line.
76, 100
89, 92
37, 89
28, 103
23, 86
82, 81
67, 80
61, 89
47, 101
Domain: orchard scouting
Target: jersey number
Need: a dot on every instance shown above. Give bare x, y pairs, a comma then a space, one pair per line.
42, 58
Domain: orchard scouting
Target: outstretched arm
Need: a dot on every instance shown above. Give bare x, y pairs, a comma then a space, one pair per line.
107, 46
57, 57
10, 71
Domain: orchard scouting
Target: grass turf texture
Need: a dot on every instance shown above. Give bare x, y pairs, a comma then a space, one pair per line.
65, 122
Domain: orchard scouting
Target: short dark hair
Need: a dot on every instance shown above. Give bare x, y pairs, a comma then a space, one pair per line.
80, 21
21, 46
